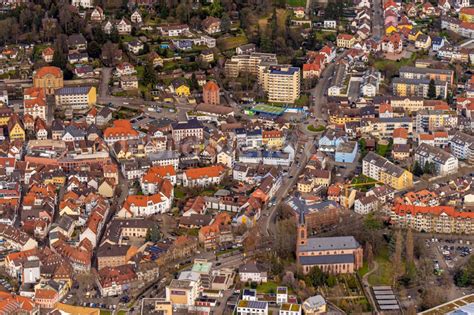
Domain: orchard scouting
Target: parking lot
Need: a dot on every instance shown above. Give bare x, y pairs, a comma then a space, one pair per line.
449, 253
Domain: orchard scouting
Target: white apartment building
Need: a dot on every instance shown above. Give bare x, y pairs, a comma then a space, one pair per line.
444, 162
462, 146
281, 83
144, 206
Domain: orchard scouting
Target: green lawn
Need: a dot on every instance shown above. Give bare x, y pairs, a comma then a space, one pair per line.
362, 179
296, 3
268, 287
324, 36
362, 271
383, 149
179, 193
302, 101
384, 274
105, 312
319, 128
231, 42
383, 64
127, 38
140, 71
122, 312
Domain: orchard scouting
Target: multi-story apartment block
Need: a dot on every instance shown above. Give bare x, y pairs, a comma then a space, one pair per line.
444, 163
436, 119
248, 63
281, 83
462, 146
190, 128
437, 219
80, 97
381, 169
409, 104
440, 75
384, 127
182, 293
417, 87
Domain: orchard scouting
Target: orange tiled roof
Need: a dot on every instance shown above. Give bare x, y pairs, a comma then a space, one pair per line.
45, 294
209, 171
345, 36
49, 70
403, 209
120, 127
440, 134
426, 136
467, 11
400, 133
311, 67
142, 201
266, 134
211, 86
48, 51
156, 173
385, 108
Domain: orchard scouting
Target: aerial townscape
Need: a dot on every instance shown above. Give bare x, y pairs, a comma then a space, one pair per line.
271, 157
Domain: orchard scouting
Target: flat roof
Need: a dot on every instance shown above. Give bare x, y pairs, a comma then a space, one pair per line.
268, 109
450, 306
202, 267
389, 307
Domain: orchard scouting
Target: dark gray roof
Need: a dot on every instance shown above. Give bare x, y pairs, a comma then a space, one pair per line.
327, 259
108, 250
73, 90
57, 125
65, 222
250, 267
190, 124
76, 39
330, 243
74, 131
104, 112
196, 219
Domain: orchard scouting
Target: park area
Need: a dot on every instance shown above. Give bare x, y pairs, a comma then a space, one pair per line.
296, 3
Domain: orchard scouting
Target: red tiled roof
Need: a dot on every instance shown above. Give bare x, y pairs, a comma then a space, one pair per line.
345, 36
467, 11
49, 70
403, 209
400, 133
211, 86
210, 171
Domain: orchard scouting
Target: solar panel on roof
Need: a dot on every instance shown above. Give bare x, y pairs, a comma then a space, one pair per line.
389, 307
385, 297
383, 292
388, 302
382, 287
